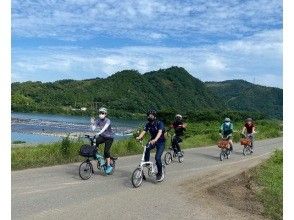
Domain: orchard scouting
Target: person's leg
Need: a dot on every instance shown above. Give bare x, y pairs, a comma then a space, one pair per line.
174, 144
159, 152
108, 143
251, 139
178, 141
231, 143
147, 152
99, 140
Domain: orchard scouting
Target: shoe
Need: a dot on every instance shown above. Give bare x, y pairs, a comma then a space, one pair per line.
159, 177
108, 169
180, 154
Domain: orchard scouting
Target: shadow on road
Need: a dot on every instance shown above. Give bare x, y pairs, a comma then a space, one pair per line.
208, 156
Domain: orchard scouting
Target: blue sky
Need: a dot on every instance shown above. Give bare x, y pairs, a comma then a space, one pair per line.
213, 40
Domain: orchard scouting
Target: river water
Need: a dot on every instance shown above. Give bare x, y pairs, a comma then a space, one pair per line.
45, 128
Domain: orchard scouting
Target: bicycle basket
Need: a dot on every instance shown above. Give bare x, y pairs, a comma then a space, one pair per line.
245, 141
87, 151
223, 144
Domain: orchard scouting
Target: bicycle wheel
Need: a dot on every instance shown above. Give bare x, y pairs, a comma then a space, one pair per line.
246, 150
228, 154
181, 158
137, 177
221, 156
167, 158
85, 170
150, 174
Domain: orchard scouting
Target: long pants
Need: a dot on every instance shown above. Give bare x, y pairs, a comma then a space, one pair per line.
250, 136
175, 143
108, 143
159, 150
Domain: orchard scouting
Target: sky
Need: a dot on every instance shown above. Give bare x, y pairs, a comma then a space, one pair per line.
213, 40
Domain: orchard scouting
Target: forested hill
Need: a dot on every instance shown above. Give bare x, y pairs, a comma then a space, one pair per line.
240, 95
172, 89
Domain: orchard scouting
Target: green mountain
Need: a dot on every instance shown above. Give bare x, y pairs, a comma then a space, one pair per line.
240, 95
128, 91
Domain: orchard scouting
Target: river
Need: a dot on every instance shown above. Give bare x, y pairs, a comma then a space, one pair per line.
45, 128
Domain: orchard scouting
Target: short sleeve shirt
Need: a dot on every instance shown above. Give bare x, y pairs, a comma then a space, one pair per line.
153, 128
249, 128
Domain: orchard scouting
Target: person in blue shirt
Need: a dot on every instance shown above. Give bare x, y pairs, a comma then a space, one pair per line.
105, 135
156, 130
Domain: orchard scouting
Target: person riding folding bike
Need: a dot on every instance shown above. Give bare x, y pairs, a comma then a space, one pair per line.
226, 131
179, 128
156, 130
249, 130
105, 135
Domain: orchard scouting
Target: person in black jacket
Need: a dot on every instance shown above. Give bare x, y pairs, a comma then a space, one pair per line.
179, 128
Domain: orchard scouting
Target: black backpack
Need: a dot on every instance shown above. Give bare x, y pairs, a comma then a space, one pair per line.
87, 151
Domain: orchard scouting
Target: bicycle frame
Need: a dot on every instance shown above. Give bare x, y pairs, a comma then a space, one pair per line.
143, 162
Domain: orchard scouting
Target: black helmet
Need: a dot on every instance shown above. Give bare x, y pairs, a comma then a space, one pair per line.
152, 112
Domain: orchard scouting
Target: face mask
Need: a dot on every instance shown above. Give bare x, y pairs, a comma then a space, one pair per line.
150, 119
102, 116
227, 123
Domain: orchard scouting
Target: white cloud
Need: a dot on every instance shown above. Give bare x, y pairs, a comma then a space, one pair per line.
258, 56
196, 20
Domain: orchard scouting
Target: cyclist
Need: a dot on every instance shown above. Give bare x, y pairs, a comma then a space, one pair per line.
226, 131
105, 135
249, 130
179, 128
156, 130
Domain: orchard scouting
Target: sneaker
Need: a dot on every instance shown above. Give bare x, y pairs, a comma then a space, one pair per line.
159, 177
108, 169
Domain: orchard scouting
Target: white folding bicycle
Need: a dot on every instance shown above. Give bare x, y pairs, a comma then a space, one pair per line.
138, 174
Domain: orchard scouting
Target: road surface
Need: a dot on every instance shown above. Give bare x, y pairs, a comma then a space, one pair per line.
58, 192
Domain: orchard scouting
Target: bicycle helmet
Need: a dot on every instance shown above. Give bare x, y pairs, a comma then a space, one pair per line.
103, 110
178, 117
152, 112
248, 119
227, 120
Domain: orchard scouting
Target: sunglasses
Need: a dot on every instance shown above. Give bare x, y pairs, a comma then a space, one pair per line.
102, 113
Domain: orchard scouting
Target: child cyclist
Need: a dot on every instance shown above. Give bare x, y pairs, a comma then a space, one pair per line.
156, 130
105, 135
179, 128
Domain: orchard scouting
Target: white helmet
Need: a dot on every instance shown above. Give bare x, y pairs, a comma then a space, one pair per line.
178, 116
102, 109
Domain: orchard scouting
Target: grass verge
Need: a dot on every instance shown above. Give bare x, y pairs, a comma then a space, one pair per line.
66, 151
269, 176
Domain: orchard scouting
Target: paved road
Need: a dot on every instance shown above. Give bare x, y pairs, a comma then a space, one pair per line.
58, 192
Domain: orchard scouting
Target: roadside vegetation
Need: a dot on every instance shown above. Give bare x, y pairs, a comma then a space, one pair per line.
269, 177
66, 151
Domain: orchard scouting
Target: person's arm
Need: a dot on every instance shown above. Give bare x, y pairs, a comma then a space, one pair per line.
253, 130
159, 133
105, 127
141, 135
93, 124
243, 131
221, 130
